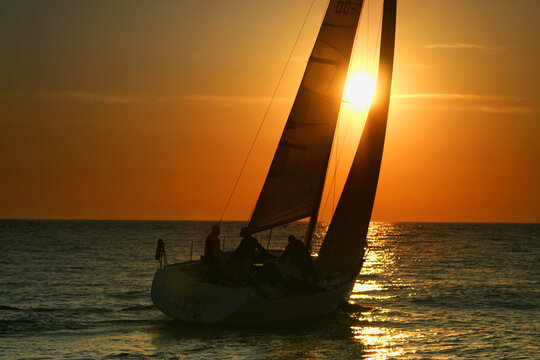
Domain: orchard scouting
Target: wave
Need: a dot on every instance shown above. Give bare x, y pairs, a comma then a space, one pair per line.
126, 355
138, 308
353, 308
129, 294
94, 310
29, 324
128, 322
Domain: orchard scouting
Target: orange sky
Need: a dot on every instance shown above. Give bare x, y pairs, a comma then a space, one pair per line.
122, 110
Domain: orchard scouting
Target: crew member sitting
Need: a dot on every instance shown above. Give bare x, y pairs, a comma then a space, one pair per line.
248, 252
249, 248
297, 253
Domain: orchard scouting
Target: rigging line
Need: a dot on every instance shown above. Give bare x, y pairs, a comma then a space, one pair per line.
333, 182
368, 68
269, 237
335, 166
377, 42
265, 114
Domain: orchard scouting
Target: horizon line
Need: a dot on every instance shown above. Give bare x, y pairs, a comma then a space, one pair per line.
217, 221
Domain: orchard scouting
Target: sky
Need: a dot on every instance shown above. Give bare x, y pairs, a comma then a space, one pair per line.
147, 109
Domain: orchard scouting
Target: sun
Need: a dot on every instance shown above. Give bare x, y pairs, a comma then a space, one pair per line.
359, 90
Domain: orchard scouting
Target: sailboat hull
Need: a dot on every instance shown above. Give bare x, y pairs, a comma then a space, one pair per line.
177, 292
291, 308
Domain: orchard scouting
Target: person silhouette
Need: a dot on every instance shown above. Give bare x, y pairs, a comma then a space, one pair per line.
212, 252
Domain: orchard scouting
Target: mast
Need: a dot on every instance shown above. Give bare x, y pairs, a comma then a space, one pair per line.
294, 184
311, 227
345, 241
313, 221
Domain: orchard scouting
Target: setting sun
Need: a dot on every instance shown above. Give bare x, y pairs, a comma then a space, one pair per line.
359, 90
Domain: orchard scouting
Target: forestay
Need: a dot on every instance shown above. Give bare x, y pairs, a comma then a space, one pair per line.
343, 247
295, 181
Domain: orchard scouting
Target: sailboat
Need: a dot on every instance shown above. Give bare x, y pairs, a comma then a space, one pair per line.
294, 185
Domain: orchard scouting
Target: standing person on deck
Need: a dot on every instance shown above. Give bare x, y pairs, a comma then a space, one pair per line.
212, 251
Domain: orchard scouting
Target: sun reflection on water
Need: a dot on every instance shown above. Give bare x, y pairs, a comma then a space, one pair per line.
381, 343
373, 287
375, 296
368, 290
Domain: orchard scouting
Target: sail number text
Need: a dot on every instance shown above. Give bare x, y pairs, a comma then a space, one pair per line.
346, 7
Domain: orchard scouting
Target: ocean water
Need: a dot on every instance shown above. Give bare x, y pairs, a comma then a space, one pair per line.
81, 290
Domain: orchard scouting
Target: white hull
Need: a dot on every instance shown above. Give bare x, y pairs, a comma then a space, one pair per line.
180, 295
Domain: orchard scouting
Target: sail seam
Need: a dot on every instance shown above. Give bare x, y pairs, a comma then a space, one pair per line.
331, 47
313, 92
324, 61
339, 26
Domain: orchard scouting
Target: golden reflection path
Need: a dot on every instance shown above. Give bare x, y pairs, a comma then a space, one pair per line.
379, 339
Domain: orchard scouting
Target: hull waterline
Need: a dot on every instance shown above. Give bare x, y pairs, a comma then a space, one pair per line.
182, 297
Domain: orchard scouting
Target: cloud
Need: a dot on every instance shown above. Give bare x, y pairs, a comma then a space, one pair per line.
226, 99
112, 98
456, 97
417, 66
523, 110
465, 46
494, 104
95, 97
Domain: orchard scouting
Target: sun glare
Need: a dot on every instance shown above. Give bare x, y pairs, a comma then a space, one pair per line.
359, 90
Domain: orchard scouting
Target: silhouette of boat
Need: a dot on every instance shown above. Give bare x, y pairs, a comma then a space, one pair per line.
293, 191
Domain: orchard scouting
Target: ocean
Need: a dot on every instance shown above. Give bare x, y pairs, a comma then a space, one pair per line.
81, 290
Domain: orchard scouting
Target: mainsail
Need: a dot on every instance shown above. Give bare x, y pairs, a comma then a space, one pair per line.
344, 244
295, 181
